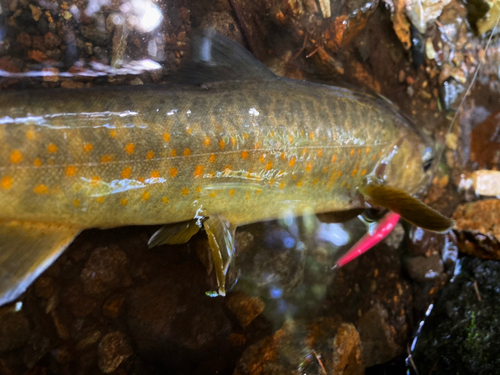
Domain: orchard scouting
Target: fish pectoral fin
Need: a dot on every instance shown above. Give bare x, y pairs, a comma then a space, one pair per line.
26, 250
339, 216
174, 234
221, 241
216, 58
408, 207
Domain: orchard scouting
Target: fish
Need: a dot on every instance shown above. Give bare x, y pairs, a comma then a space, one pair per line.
225, 144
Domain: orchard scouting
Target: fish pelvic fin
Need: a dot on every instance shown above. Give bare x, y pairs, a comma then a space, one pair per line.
26, 250
216, 58
221, 241
174, 234
408, 207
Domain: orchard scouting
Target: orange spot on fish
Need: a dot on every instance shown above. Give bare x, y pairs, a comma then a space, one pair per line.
212, 194
41, 189
262, 158
70, 171
334, 158
325, 169
99, 199
359, 151
245, 135
155, 174
352, 152
283, 156
271, 182
271, 134
231, 192
130, 148
173, 172
294, 176
87, 147
123, 201
290, 138
30, 134
164, 200
349, 187
141, 180
342, 162
258, 191
222, 144
16, 157
367, 150
374, 157
76, 203
320, 153
257, 145
145, 196
207, 141
315, 181
339, 173
311, 135
291, 163
185, 191
280, 173
52, 148
282, 185
198, 189
247, 195
150, 155
6, 182
299, 184
304, 151
106, 158
354, 172
198, 171
166, 137
126, 172
173, 153
112, 133
309, 167
189, 130
269, 165
227, 170
363, 172
94, 181
233, 141
186, 152
343, 184
211, 159
244, 154
37, 162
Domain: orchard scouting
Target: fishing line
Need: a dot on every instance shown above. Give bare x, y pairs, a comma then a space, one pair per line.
470, 86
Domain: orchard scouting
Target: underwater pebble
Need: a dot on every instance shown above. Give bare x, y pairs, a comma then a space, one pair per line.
245, 308
105, 270
113, 349
422, 268
113, 306
14, 329
51, 40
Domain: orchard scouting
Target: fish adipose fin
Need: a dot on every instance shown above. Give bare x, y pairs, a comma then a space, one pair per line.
174, 234
26, 250
216, 58
408, 207
221, 240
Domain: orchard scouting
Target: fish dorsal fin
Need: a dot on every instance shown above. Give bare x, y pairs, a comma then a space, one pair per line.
216, 58
26, 250
408, 207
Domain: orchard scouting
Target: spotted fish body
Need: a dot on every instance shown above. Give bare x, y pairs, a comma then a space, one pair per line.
244, 146
151, 155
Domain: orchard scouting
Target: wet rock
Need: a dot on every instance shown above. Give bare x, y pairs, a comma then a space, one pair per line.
377, 337
44, 287
421, 268
245, 308
105, 270
24, 39
461, 334
327, 344
113, 349
51, 40
173, 322
484, 142
14, 329
113, 306
79, 304
478, 228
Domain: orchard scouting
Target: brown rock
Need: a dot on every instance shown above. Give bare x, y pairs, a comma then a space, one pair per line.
51, 40
14, 329
113, 306
245, 308
377, 337
307, 347
72, 84
105, 270
37, 55
24, 39
44, 287
112, 350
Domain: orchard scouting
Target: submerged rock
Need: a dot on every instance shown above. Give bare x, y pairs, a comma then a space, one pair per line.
461, 334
